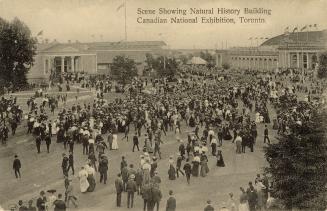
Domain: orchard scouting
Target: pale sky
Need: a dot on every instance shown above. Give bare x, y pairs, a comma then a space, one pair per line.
79, 19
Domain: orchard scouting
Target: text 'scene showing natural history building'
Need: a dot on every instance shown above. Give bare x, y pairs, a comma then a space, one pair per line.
91, 58
293, 50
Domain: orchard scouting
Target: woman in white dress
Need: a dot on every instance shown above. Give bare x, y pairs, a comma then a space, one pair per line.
91, 177
83, 183
50, 201
257, 117
91, 123
54, 128
114, 142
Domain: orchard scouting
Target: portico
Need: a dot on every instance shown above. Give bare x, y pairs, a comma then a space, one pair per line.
69, 63
299, 59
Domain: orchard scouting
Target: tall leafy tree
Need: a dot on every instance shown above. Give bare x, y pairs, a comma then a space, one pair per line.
166, 67
209, 58
322, 68
17, 49
298, 164
123, 69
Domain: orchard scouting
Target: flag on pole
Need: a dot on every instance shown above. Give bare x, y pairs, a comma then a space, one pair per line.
287, 29
315, 25
303, 28
295, 29
120, 6
40, 33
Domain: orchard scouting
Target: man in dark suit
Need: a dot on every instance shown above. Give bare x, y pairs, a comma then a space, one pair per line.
103, 169
48, 141
16, 166
131, 189
171, 202
59, 204
38, 143
136, 142
252, 197
64, 164
119, 189
157, 195
266, 137
50, 128
71, 162
40, 202
187, 169
209, 207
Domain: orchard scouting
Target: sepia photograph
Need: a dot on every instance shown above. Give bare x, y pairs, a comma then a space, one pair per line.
152, 105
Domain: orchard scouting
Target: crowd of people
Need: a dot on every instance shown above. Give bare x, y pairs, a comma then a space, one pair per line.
211, 109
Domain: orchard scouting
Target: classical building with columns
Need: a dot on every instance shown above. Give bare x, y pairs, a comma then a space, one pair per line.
91, 58
295, 50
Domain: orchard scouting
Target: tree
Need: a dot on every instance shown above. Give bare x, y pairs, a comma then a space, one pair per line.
209, 58
322, 66
149, 60
17, 49
166, 67
123, 69
184, 59
298, 164
225, 66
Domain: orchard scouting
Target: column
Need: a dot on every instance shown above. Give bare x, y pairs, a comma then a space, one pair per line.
308, 61
72, 63
44, 65
221, 59
49, 64
298, 60
77, 64
62, 64
285, 60
289, 59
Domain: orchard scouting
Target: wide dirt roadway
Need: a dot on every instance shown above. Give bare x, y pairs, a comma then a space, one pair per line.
43, 171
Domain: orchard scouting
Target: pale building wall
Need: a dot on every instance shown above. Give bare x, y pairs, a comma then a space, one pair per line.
36, 72
88, 63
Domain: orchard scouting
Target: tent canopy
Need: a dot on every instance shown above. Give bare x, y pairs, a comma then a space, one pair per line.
197, 61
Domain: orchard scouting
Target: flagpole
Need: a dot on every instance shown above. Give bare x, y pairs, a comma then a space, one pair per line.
297, 33
125, 22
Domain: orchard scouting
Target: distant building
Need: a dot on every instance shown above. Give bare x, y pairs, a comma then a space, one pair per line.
295, 50
92, 58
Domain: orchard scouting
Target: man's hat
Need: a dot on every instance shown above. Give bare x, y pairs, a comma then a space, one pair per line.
51, 191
